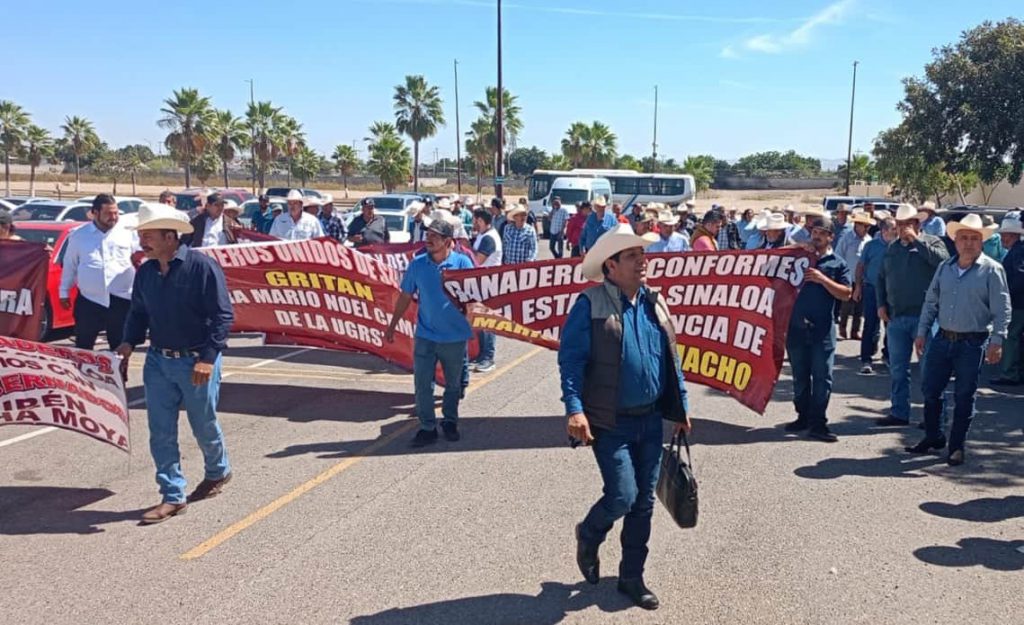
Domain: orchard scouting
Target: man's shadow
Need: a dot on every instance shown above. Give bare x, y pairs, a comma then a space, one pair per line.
555, 601
56, 510
998, 555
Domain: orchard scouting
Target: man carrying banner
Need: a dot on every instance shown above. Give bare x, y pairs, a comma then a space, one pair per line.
296, 224
811, 339
487, 249
368, 228
330, 221
98, 258
181, 298
7, 226
519, 241
621, 376
968, 297
441, 332
907, 270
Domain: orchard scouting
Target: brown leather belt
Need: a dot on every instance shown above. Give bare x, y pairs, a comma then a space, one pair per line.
962, 336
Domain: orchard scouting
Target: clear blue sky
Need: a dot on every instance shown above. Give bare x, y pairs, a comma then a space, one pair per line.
734, 77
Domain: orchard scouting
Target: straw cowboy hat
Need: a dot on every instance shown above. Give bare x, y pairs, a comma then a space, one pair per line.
517, 209
970, 223
882, 214
600, 201
619, 238
162, 217
928, 206
668, 218
230, 205
773, 221
862, 218
906, 212
1011, 226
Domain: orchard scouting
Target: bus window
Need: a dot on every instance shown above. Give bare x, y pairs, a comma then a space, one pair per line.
540, 185
624, 186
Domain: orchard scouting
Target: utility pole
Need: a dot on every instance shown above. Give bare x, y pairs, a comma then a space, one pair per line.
654, 142
499, 168
435, 162
252, 142
849, 140
458, 133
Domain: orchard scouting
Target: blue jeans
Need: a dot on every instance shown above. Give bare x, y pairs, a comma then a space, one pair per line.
426, 355
629, 458
943, 358
900, 335
487, 342
811, 358
872, 325
168, 383
557, 245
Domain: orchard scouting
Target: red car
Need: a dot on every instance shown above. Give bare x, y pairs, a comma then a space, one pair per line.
55, 235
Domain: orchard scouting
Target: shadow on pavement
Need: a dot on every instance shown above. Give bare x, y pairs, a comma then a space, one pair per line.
998, 555
365, 363
984, 510
554, 603
55, 510
892, 464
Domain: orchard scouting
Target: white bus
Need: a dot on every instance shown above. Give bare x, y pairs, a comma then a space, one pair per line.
628, 187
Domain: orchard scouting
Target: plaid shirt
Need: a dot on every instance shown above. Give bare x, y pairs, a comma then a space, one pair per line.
728, 236
558, 220
518, 245
333, 227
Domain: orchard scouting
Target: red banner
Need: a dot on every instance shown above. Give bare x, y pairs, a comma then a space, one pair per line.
22, 287
730, 310
63, 387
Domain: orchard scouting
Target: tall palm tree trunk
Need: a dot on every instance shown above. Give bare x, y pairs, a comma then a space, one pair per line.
225, 174
188, 162
31, 181
344, 182
7, 172
133, 183
289, 170
78, 173
415, 166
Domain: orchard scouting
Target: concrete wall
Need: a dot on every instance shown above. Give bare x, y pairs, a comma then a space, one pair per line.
745, 183
1004, 194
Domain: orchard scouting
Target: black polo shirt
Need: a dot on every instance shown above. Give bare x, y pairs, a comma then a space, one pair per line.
814, 308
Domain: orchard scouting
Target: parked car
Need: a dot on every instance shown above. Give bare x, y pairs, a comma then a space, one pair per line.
7, 206
959, 211
283, 192
887, 205
52, 210
18, 200
126, 205
832, 201
249, 208
55, 235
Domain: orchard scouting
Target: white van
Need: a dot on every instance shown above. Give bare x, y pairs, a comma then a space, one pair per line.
571, 190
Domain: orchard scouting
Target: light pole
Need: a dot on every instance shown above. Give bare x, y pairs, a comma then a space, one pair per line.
458, 133
499, 168
252, 137
849, 140
654, 142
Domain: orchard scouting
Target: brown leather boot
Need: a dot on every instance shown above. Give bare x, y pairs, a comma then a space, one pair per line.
163, 512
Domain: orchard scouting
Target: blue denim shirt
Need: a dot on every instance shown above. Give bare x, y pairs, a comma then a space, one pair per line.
975, 301
871, 257
438, 318
593, 229
644, 369
188, 309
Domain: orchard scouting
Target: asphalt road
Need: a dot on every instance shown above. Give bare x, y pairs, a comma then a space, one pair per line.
331, 518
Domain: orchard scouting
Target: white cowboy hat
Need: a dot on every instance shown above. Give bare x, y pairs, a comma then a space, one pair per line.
906, 212
971, 222
162, 217
773, 221
327, 199
444, 203
230, 205
789, 208
882, 214
668, 218
928, 206
1011, 226
517, 209
294, 196
440, 213
689, 204
619, 238
816, 211
600, 201
310, 201
415, 206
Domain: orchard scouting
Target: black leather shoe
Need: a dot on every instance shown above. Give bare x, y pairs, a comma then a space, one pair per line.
891, 421
639, 593
451, 432
956, 458
587, 560
796, 426
424, 438
1004, 382
823, 434
927, 446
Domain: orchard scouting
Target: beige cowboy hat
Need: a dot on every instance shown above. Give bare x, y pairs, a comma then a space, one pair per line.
440, 213
162, 217
906, 212
310, 201
882, 214
928, 206
1011, 226
230, 205
816, 211
667, 218
843, 208
294, 196
690, 204
862, 218
414, 207
600, 201
517, 209
327, 199
773, 221
972, 223
444, 203
650, 214
619, 238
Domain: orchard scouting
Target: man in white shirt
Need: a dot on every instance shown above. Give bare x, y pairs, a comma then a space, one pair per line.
213, 227
296, 225
98, 258
670, 241
487, 249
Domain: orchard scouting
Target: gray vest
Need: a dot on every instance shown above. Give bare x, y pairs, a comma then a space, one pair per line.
601, 377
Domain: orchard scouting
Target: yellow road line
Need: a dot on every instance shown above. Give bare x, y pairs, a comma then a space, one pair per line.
232, 530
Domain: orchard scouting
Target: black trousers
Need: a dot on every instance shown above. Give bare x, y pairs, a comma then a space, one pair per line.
91, 319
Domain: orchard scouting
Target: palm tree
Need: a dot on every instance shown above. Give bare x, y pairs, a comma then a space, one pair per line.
702, 168
306, 164
418, 113
38, 145
572, 144
390, 161
262, 118
186, 115
289, 139
346, 160
81, 136
510, 117
595, 144
379, 130
229, 134
478, 148
13, 122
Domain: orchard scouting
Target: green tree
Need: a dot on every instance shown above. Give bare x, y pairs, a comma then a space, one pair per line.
786, 163
390, 159
133, 159
861, 168
480, 152
702, 168
558, 162
513, 124
522, 161
899, 160
628, 161
80, 137
418, 113
261, 118
14, 121
380, 130
346, 161
38, 146
187, 115
593, 146
290, 139
227, 135
573, 143
306, 164
206, 167
967, 109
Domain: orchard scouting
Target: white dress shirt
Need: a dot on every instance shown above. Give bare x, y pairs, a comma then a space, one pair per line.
100, 263
214, 233
308, 227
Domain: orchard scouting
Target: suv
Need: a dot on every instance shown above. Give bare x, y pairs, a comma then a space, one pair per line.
831, 202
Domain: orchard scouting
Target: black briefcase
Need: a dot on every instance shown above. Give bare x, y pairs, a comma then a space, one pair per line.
677, 487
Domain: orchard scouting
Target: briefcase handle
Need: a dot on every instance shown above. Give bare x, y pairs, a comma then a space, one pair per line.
681, 437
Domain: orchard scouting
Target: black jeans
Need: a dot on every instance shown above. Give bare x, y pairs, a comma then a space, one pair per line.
91, 319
